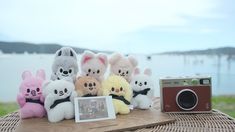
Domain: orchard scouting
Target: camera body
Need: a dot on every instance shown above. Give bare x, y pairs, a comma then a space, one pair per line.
185, 94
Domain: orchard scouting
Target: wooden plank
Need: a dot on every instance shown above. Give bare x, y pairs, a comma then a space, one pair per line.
136, 119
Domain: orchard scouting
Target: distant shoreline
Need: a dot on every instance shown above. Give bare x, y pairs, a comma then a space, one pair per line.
51, 48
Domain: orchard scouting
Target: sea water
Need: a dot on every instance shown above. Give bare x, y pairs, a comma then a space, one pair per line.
220, 68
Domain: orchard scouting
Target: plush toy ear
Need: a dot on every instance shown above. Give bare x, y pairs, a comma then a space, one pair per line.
114, 58
79, 77
87, 55
26, 74
71, 53
148, 72
136, 71
41, 74
59, 52
46, 83
133, 61
103, 59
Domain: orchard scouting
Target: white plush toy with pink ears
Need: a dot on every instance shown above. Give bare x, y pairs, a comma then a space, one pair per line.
94, 65
143, 89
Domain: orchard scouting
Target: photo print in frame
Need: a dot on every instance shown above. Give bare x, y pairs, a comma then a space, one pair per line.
94, 108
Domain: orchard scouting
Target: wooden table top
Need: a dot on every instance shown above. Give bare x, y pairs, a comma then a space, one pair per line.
215, 121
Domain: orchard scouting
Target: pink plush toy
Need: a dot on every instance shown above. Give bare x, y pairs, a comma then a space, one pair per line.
30, 97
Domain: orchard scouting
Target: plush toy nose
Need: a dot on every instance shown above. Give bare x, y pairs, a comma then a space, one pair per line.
65, 72
61, 93
90, 84
117, 90
33, 92
140, 84
91, 88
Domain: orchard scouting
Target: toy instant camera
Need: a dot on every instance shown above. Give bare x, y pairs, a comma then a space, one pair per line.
186, 94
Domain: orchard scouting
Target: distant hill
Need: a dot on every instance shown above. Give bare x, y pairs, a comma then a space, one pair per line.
215, 51
22, 47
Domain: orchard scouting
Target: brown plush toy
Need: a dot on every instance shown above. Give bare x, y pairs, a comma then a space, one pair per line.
87, 86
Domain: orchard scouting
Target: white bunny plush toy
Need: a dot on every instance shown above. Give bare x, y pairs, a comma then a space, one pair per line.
143, 89
59, 100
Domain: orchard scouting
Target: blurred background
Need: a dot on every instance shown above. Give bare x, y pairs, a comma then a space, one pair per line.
172, 37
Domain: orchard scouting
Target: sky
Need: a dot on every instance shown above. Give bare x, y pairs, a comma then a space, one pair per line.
127, 26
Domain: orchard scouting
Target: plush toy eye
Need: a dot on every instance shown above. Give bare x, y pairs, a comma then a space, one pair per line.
113, 89
94, 84
121, 89
38, 89
145, 83
136, 82
98, 71
127, 72
85, 84
28, 90
61, 70
70, 70
89, 70
119, 71
65, 90
55, 91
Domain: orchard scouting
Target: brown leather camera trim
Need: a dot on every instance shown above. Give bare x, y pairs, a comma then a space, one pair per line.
169, 98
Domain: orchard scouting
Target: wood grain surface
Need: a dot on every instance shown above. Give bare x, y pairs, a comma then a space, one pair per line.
136, 119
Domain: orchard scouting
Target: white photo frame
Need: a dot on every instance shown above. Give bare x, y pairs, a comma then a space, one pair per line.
94, 108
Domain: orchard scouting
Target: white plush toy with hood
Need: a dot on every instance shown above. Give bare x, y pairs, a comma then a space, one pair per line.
65, 64
94, 65
122, 66
143, 89
59, 100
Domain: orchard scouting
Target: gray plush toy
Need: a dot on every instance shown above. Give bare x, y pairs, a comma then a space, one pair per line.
65, 64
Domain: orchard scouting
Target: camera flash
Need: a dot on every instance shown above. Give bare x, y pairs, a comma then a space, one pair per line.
205, 81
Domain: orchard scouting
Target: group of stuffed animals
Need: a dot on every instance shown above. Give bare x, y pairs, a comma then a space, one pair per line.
39, 97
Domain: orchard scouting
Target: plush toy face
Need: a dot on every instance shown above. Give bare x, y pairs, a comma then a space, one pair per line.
31, 87
116, 85
65, 63
87, 85
59, 89
141, 81
93, 65
122, 66
124, 69
65, 70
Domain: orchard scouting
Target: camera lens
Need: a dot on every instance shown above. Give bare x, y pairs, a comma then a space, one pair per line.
186, 99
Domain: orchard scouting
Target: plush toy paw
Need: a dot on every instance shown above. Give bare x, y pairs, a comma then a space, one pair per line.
144, 103
134, 103
72, 96
48, 101
21, 100
120, 107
